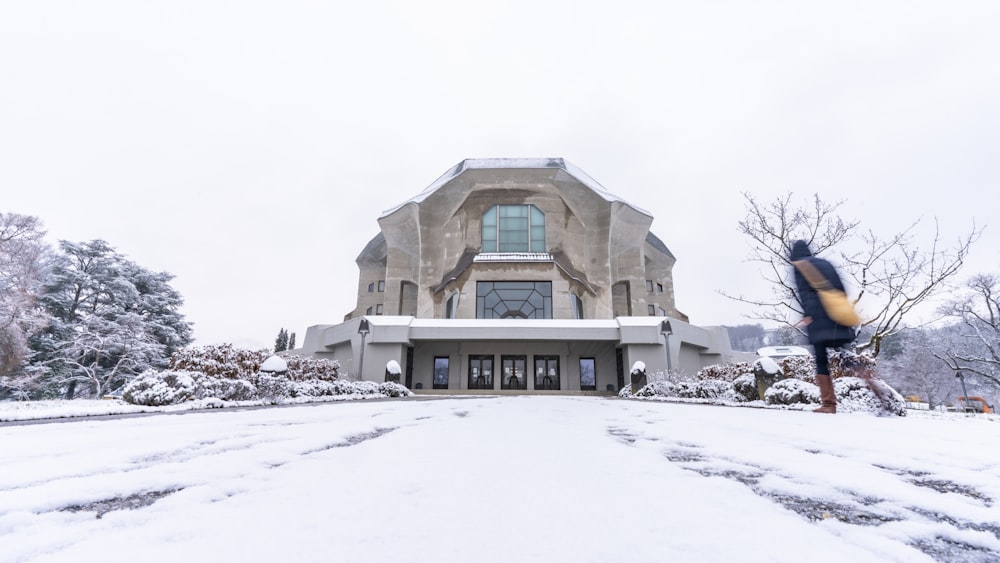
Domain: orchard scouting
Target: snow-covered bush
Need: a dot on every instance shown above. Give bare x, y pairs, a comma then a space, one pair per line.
393, 389
725, 372
223, 388
656, 388
791, 391
158, 388
855, 395
226, 361
745, 388
305, 368
272, 388
706, 389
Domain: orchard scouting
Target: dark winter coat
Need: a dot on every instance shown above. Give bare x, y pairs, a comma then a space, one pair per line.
822, 329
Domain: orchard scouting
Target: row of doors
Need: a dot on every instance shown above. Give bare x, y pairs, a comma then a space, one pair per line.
513, 372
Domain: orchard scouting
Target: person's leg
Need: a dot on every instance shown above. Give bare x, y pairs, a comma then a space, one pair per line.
828, 399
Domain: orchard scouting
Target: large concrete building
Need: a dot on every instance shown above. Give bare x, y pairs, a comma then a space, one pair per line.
515, 275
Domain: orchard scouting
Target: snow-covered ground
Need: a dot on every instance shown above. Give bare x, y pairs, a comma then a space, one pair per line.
524, 478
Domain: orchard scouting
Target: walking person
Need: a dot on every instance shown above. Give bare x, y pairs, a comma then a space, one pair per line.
823, 331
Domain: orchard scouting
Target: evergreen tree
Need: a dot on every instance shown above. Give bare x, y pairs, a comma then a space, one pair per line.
281, 343
291, 341
110, 318
23, 262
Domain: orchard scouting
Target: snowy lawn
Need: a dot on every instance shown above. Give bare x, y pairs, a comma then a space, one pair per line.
544, 479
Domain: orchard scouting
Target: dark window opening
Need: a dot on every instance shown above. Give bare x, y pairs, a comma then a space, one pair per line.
441, 372
588, 374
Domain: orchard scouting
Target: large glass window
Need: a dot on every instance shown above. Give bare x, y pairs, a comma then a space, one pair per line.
514, 228
441, 372
508, 299
514, 372
588, 374
547, 372
480, 372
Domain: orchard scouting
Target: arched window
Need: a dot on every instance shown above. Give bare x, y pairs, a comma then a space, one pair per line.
513, 228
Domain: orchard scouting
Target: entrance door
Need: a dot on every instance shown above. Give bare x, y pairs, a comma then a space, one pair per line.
480, 372
513, 372
547, 372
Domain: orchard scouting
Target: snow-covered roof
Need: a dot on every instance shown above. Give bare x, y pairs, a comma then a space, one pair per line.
515, 163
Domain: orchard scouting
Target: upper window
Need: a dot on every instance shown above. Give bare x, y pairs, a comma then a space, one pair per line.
371, 287
649, 286
381, 285
513, 228
513, 299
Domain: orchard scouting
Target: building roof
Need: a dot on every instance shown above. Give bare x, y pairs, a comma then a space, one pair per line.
515, 163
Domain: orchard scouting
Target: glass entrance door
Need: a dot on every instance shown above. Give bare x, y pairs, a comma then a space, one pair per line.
547, 372
480, 372
513, 372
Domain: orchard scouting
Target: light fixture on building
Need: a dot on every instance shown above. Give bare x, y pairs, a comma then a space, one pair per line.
666, 330
363, 330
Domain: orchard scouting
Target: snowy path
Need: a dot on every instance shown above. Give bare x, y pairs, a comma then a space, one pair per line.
501, 479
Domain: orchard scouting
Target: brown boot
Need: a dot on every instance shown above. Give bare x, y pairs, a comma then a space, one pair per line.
828, 400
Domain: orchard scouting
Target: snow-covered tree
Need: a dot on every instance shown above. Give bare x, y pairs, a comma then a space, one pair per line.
281, 343
291, 341
23, 261
977, 310
914, 368
110, 318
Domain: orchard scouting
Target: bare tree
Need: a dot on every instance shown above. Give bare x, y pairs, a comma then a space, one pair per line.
917, 370
978, 313
892, 274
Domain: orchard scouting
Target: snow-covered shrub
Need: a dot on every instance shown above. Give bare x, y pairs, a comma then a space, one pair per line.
799, 367
625, 392
273, 388
855, 395
745, 388
221, 360
725, 372
706, 389
844, 363
305, 368
225, 389
393, 389
656, 389
226, 361
790, 392
158, 388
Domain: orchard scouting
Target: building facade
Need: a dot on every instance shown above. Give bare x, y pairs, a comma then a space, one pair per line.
515, 275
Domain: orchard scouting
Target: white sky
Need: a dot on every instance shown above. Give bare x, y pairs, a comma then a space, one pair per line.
249, 147
532, 479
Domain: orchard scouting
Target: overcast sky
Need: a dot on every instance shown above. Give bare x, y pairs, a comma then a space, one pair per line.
249, 147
